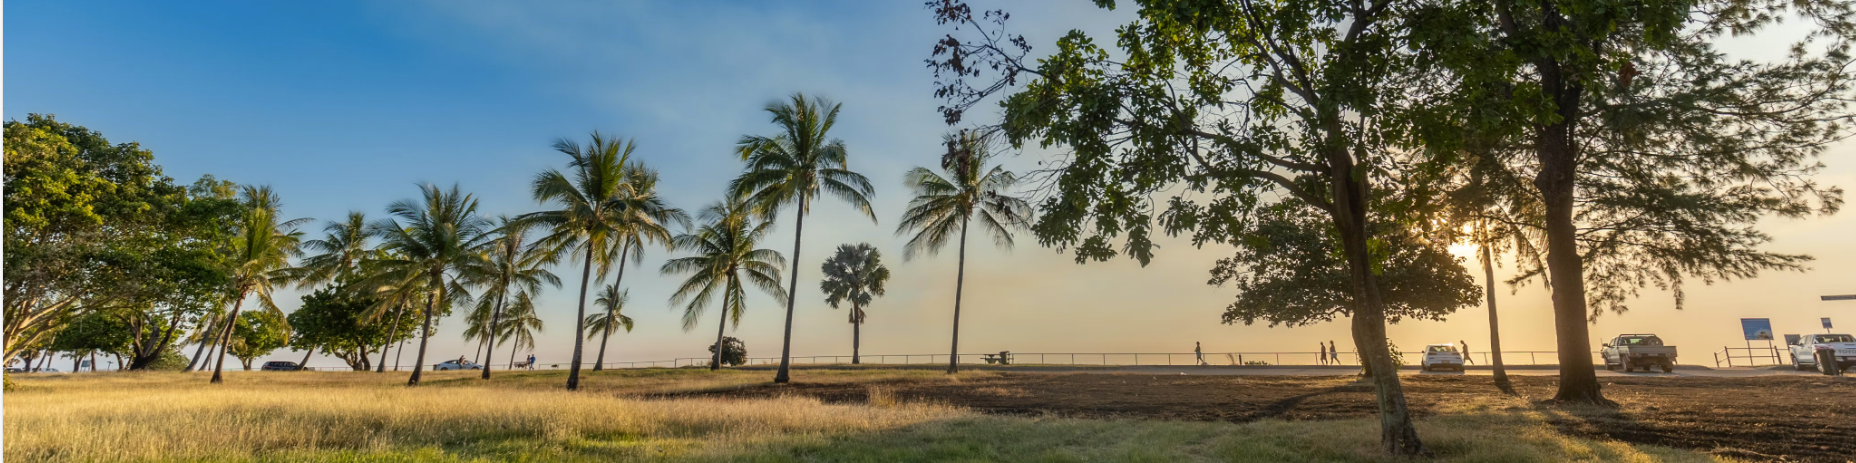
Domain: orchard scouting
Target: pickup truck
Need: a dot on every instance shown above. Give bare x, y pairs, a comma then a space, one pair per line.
1804, 353
1632, 351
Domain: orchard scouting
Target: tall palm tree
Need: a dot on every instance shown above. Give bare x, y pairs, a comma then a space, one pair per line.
791, 168
641, 218
855, 274
945, 204
589, 197
726, 254
337, 258
435, 246
613, 300
512, 263
260, 256
519, 325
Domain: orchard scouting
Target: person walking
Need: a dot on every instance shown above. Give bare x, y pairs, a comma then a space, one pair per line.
1324, 353
1333, 352
1199, 352
531, 361
1466, 359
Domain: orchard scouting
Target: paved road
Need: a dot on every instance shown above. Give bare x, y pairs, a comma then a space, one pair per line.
1292, 370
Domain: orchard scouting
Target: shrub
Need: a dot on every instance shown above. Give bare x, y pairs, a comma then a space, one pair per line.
735, 355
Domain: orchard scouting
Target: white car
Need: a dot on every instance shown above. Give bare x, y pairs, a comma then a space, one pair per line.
1804, 353
457, 365
1442, 356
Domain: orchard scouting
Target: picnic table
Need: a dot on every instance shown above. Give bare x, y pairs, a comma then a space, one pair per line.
1001, 358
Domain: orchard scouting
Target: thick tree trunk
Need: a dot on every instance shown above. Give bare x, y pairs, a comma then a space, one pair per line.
392, 333
715, 361
1495, 332
496, 319
599, 363
425, 335
786, 344
1558, 172
1397, 435
960, 282
225, 337
205, 339
573, 375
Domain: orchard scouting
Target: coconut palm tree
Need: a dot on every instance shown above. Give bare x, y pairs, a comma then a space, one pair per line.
855, 274
435, 246
260, 255
589, 197
613, 300
971, 189
790, 169
337, 258
519, 325
512, 263
641, 218
726, 254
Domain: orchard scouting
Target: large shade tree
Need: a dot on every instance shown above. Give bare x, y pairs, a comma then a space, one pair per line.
854, 275
792, 168
972, 188
725, 258
430, 243
588, 198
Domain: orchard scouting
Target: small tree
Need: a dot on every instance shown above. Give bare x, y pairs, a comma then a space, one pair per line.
736, 353
336, 321
256, 335
855, 274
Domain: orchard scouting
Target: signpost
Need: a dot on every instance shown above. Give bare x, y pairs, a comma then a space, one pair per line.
1826, 325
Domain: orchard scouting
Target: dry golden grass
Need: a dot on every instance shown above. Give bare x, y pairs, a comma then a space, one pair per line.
527, 417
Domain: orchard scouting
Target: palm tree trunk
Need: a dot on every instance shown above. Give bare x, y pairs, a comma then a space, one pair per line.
960, 281
205, 339
1495, 334
225, 337
857, 336
418, 365
573, 374
392, 333
721, 325
304, 365
786, 344
512, 355
600, 363
477, 354
496, 318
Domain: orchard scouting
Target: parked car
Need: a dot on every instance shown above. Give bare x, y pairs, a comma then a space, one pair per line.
457, 365
1632, 351
1442, 356
280, 366
1804, 353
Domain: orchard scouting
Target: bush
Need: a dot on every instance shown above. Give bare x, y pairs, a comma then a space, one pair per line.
168, 361
735, 355
8, 379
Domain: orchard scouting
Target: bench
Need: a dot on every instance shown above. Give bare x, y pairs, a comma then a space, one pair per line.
1002, 358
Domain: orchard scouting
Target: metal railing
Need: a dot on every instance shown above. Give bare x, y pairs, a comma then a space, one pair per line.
1044, 358
1752, 356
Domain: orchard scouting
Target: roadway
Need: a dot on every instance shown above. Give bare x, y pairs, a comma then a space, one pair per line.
1316, 370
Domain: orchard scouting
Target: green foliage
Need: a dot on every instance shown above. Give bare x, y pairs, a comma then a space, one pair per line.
91, 332
256, 334
7, 380
726, 257
338, 322
734, 354
855, 274
168, 360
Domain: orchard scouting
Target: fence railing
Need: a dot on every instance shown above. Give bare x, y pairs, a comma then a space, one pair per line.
1050, 358
1752, 356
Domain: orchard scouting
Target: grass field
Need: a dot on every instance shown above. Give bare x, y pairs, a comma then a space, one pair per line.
259, 416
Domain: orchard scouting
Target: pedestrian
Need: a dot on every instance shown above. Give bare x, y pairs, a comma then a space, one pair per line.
1333, 352
1324, 353
531, 361
1466, 359
1199, 352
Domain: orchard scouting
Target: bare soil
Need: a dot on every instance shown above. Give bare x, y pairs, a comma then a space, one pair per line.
1785, 418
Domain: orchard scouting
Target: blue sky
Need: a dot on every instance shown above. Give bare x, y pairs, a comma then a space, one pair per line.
346, 105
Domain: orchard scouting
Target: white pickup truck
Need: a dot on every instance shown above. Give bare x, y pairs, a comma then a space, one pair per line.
1804, 353
1632, 351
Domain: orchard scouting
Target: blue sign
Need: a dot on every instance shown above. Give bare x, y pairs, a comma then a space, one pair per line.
1826, 322
1757, 329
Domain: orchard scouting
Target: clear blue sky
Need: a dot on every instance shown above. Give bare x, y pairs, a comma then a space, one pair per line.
345, 105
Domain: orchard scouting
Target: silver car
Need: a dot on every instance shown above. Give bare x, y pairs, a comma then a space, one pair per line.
457, 365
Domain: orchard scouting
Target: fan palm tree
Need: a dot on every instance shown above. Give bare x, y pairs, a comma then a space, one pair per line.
260, 256
945, 204
512, 263
855, 274
613, 300
726, 254
589, 198
435, 246
519, 325
642, 218
791, 169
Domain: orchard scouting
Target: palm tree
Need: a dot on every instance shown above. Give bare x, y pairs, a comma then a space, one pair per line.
855, 274
725, 255
337, 259
512, 263
260, 256
435, 246
944, 204
641, 218
790, 169
589, 198
519, 325
602, 323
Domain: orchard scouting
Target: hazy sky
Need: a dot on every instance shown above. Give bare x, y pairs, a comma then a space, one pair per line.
346, 105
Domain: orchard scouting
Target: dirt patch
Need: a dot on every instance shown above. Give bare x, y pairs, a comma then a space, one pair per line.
1762, 418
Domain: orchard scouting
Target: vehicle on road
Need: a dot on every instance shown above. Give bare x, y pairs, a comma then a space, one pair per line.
280, 365
1804, 353
1632, 351
457, 365
1442, 357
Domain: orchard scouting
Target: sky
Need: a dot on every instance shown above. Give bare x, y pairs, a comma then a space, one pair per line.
348, 105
